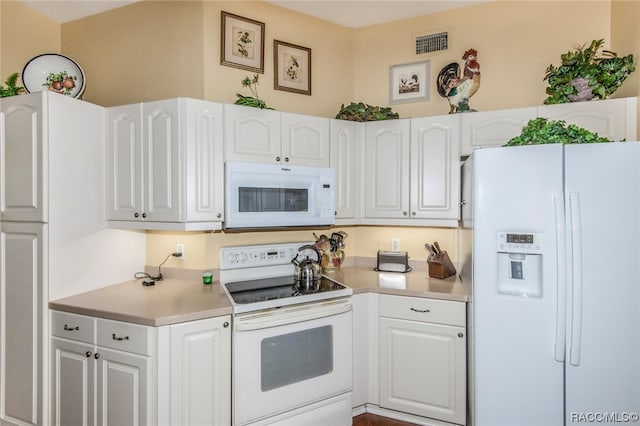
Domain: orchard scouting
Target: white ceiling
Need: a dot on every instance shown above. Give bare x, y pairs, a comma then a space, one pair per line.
349, 13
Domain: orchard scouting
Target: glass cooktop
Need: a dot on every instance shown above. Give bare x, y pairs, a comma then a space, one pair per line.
276, 288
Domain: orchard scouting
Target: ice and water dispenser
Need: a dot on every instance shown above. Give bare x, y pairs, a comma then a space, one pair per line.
520, 264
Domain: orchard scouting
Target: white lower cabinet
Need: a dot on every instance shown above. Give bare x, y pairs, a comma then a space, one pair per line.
97, 381
200, 372
423, 357
116, 373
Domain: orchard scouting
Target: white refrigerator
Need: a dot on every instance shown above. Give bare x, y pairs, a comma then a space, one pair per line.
553, 237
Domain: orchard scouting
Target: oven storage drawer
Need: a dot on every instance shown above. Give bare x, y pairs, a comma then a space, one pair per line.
334, 411
73, 326
124, 336
421, 309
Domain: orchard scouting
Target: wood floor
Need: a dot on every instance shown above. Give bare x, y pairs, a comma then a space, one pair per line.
369, 419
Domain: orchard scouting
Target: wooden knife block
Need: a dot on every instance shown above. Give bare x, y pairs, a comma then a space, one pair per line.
440, 265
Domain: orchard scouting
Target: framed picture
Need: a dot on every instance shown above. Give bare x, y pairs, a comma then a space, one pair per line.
409, 82
242, 43
292, 68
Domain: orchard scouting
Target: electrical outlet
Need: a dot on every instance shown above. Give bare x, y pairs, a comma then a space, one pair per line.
395, 244
180, 249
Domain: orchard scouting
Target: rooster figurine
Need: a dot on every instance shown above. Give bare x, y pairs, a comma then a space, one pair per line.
458, 89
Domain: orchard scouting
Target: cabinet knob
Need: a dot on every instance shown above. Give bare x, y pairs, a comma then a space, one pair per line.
404, 213
463, 202
413, 213
88, 354
144, 215
219, 215
226, 324
460, 334
97, 355
335, 213
136, 214
278, 159
286, 159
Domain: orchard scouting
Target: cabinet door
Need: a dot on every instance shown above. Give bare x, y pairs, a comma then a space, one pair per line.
386, 178
305, 140
201, 366
124, 394
162, 157
435, 168
346, 138
124, 162
609, 118
492, 128
23, 194
251, 134
22, 344
204, 172
423, 369
72, 383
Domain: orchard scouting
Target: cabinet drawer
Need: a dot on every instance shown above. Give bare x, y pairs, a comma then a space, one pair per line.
425, 310
73, 326
125, 336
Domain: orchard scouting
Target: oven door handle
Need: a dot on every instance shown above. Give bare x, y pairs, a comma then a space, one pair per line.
290, 314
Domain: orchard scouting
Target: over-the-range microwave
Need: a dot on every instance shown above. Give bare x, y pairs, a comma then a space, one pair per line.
275, 196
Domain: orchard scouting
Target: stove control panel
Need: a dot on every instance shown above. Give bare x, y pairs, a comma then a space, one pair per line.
258, 255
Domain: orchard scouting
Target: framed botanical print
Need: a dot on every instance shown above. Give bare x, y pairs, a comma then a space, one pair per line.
292, 67
242, 43
409, 82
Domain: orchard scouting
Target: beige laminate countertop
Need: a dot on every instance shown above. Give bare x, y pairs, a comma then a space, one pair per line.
169, 301
176, 300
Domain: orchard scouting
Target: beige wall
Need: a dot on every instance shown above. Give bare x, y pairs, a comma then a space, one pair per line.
23, 35
515, 40
145, 51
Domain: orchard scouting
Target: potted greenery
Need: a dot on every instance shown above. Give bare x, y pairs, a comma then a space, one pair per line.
542, 131
365, 112
587, 72
11, 89
252, 101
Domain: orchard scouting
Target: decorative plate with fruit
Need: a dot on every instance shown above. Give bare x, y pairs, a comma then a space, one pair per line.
54, 72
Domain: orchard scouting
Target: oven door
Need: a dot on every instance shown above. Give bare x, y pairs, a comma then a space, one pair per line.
291, 357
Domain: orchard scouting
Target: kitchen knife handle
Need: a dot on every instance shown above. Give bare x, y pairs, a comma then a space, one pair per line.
576, 283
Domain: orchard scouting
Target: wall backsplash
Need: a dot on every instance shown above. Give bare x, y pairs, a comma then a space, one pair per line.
201, 249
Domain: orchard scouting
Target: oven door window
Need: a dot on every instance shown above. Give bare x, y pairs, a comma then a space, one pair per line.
294, 357
255, 199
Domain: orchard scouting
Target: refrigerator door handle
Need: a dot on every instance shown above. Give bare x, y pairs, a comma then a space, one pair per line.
561, 301
576, 268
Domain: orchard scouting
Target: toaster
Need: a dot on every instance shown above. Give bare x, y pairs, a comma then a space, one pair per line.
393, 261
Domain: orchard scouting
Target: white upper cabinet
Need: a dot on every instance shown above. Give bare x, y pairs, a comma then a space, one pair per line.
386, 177
165, 165
412, 172
21, 157
346, 160
614, 119
267, 136
492, 128
435, 168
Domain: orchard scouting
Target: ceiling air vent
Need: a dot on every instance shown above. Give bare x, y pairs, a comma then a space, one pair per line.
432, 43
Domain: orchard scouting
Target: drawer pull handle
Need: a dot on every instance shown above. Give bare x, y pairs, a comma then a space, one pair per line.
67, 328
422, 311
114, 337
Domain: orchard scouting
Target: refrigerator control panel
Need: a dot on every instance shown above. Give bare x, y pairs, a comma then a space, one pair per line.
519, 242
